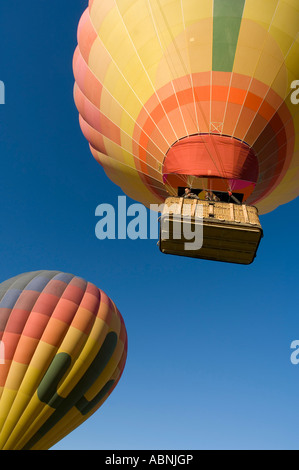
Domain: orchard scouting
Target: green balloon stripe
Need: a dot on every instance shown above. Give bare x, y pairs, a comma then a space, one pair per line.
226, 27
76, 397
47, 390
85, 406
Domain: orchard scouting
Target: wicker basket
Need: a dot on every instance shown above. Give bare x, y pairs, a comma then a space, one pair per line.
230, 232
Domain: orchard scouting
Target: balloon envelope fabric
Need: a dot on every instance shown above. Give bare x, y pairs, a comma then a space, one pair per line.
65, 347
173, 93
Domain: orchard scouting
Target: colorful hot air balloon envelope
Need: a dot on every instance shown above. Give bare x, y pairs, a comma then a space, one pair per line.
64, 345
192, 92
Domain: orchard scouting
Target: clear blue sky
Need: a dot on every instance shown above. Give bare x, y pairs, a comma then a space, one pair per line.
209, 343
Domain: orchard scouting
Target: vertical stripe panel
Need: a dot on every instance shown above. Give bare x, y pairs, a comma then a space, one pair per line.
226, 26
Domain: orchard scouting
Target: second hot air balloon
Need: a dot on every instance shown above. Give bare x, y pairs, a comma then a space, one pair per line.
64, 344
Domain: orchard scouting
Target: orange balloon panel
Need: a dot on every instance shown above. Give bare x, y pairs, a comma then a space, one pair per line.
156, 79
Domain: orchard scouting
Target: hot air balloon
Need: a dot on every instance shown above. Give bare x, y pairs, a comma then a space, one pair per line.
65, 346
192, 93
